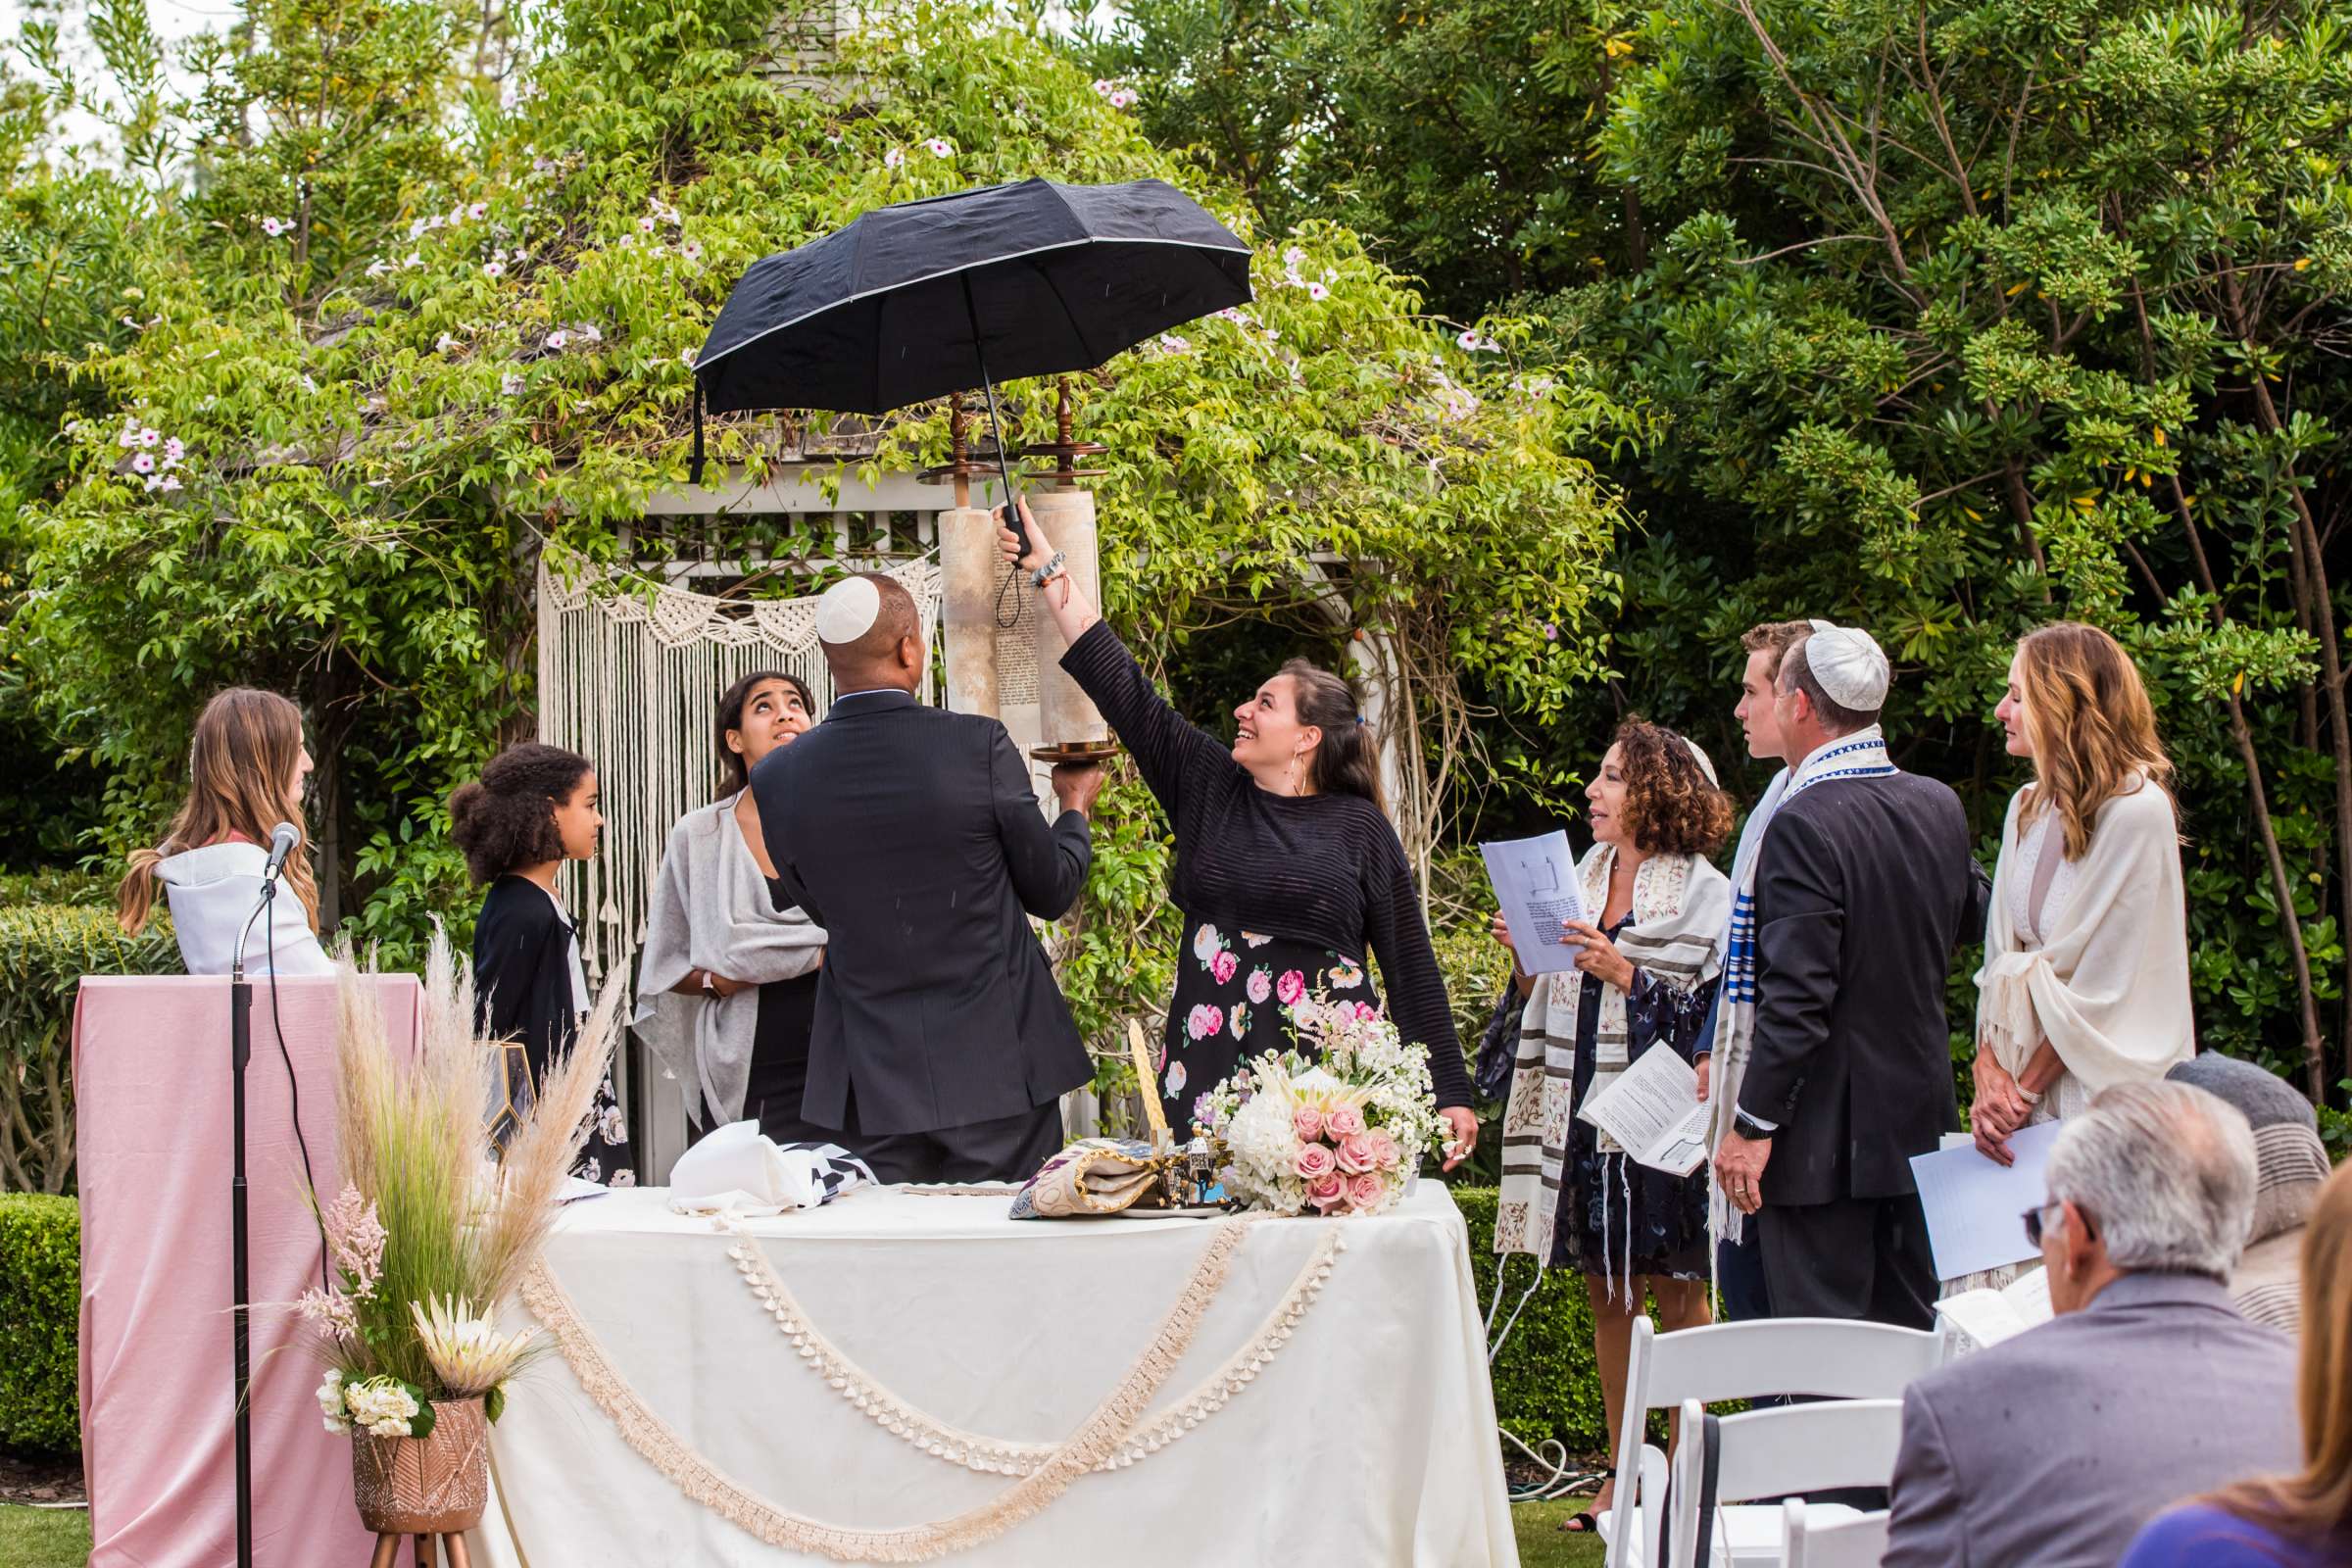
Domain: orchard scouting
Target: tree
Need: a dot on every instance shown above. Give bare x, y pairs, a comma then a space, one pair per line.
1458, 137
2047, 318
386, 397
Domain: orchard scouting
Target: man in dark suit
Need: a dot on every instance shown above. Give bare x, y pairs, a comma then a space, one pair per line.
941, 1047
1864, 888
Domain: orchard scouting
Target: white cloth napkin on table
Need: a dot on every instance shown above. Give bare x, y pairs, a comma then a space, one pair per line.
738, 1170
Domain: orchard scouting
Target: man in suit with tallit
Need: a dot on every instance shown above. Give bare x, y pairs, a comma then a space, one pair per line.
1865, 886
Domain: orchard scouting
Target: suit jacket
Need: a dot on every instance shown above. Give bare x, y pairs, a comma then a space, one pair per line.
912, 836
2053, 1447
1864, 888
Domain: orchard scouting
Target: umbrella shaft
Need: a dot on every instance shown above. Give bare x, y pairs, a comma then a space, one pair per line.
1013, 509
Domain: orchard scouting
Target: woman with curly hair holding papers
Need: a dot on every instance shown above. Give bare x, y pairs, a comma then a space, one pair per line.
1646, 969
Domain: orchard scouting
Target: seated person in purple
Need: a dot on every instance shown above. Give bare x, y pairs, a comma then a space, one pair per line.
2302, 1520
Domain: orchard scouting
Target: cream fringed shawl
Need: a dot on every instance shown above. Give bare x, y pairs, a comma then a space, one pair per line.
1682, 906
711, 910
2108, 986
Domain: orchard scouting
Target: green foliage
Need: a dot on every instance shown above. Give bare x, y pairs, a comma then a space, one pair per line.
40, 1322
45, 951
400, 361
1545, 1385
2007, 348
1460, 135
1947, 322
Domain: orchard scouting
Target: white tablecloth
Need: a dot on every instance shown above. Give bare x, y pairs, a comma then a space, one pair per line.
1369, 1439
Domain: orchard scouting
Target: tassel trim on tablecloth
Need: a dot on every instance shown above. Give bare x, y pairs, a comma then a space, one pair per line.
955, 1446
1099, 1436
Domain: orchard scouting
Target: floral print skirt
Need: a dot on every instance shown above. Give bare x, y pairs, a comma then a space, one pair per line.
1234, 992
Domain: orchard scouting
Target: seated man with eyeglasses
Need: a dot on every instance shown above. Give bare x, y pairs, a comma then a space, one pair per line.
2147, 1386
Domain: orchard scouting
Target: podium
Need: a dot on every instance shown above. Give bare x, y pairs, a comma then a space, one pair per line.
151, 1087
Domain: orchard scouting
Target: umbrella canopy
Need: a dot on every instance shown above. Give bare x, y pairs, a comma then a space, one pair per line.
929, 297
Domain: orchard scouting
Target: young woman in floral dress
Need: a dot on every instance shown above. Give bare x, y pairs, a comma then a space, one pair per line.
1288, 871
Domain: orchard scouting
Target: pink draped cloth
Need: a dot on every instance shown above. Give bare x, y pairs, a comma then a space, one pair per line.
151, 1085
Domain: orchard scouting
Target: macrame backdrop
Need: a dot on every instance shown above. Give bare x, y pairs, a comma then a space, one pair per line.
630, 673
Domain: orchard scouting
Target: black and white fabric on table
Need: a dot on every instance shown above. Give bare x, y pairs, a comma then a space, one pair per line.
736, 1170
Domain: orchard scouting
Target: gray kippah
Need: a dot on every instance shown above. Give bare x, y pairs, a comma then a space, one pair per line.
2267, 1098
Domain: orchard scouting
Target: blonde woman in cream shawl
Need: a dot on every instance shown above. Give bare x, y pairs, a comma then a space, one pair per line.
2086, 977
728, 980
1644, 974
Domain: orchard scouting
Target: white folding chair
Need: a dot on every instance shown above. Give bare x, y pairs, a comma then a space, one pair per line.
1847, 1544
1773, 1453
1834, 1358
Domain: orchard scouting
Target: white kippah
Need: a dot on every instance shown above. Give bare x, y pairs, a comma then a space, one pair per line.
847, 611
1700, 756
1850, 666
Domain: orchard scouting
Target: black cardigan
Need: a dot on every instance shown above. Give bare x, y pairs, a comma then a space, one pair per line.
522, 972
1320, 869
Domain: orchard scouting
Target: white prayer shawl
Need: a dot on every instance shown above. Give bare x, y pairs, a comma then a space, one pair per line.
711, 910
1681, 907
1736, 1009
2108, 984
1860, 754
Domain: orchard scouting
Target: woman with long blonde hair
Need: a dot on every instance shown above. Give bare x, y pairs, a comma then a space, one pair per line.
2086, 977
2302, 1520
246, 768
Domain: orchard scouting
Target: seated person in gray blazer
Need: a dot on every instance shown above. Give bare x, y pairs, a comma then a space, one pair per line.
2053, 1447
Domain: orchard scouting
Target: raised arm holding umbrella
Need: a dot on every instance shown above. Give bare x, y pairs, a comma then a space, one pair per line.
1287, 871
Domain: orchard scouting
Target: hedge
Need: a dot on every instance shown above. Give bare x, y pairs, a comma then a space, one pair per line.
40, 1318
45, 949
1545, 1385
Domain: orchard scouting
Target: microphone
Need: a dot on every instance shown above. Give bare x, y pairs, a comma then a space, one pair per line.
282, 839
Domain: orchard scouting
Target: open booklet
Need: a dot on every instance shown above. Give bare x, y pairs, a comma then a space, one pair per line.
1537, 886
1654, 1113
1985, 1317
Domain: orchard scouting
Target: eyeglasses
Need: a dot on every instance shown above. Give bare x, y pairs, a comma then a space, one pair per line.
2032, 1219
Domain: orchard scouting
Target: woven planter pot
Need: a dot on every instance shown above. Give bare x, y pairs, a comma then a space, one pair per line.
437, 1485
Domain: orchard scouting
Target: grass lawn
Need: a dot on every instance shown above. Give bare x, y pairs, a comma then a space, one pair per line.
44, 1537
1541, 1545
60, 1538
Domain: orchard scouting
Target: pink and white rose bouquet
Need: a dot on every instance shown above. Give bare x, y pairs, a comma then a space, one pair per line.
1343, 1135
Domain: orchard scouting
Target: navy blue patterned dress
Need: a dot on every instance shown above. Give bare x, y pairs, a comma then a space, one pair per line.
1617, 1217
1233, 994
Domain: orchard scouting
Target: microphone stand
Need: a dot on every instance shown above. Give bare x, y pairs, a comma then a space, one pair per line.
240, 1051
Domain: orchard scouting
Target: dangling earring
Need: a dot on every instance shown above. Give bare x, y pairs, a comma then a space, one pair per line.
1294, 772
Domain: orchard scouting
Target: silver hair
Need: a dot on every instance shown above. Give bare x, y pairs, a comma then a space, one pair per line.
2165, 1174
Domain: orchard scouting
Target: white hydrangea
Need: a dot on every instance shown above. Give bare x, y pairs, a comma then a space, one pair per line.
330, 1403
383, 1406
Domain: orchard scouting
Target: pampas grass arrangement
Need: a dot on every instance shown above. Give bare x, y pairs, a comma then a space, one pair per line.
432, 1234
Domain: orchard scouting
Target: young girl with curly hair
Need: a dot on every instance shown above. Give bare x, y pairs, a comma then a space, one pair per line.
534, 807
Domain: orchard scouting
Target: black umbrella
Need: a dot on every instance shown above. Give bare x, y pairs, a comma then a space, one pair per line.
930, 296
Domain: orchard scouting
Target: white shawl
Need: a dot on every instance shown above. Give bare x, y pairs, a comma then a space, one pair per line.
711, 910
2109, 985
1681, 907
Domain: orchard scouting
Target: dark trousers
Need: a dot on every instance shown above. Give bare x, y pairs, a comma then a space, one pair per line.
1739, 1274
1857, 1258
1010, 1148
